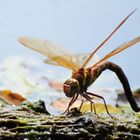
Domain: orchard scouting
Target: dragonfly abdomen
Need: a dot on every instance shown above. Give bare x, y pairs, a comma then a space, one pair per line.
123, 79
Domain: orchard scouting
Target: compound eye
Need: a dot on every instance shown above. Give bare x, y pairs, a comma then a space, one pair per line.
71, 87
67, 89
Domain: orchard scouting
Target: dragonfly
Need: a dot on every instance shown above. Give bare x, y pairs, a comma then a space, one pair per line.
83, 76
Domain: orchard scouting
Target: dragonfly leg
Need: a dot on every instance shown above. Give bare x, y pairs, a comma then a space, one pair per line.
74, 98
92, 103
82, 101
103, 101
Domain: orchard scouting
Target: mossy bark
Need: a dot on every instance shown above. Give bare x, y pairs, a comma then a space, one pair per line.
32, 121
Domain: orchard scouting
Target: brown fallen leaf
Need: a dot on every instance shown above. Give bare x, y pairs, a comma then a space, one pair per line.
11, 98
58, 86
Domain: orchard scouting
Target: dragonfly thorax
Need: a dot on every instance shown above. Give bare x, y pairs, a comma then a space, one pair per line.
71, 87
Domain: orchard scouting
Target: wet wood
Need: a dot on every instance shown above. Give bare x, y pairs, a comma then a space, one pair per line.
33, 121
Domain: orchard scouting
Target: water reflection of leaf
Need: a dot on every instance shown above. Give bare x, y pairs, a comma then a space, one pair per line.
100, 108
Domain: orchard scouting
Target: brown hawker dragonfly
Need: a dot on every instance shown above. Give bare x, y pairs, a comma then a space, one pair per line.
83, 77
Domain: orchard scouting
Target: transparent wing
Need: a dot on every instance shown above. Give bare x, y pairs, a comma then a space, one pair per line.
77, 58
101, 45
118, 50
55, 53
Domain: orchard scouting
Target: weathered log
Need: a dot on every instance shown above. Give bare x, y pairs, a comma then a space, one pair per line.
33, 121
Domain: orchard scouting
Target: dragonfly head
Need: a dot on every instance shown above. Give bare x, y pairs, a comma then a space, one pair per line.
71, 87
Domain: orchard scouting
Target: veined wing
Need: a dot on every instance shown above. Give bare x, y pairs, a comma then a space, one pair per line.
77, 58
118, 50
93, 53
57, 54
